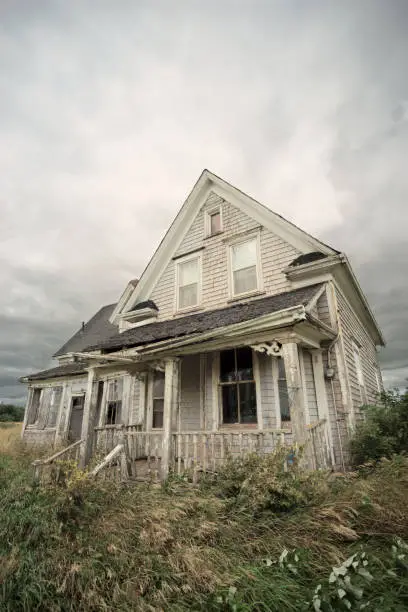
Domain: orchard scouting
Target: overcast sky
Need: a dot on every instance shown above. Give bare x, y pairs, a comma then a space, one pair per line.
109, 111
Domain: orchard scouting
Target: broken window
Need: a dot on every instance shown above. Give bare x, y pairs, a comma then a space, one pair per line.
114, 401
158, 400
237, 385
55, 401
283, 392
34, 407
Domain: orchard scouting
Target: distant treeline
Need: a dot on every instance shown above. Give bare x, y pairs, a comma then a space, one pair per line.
10, 413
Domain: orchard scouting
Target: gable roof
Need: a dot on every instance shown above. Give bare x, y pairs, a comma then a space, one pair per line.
97, 329
208, 320
209, 182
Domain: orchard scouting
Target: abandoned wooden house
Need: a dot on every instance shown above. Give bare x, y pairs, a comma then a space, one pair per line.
242, 333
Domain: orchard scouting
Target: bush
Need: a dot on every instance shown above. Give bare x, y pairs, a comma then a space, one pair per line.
268, 483
384, 431
11, 414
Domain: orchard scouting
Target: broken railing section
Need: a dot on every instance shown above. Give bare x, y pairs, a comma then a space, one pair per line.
50, 468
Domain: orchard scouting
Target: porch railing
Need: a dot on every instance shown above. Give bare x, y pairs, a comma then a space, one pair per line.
49, 469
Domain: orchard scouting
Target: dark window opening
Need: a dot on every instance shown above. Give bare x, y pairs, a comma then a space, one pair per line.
114, 402
283, 391
34, 407
113, 413
238, 391
158, 400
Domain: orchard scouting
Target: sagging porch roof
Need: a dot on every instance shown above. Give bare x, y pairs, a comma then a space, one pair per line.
208, 320
69, 369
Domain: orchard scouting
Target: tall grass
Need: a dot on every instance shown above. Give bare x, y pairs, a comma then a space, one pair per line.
92, 546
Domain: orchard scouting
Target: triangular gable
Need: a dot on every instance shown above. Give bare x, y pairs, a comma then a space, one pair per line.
209, 182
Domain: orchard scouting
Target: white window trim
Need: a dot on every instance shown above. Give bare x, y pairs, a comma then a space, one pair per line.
259, 277
208, 214
182, 260
52, 400
359, 372
34, 425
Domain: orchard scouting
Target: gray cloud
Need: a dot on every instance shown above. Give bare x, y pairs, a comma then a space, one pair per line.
109, 113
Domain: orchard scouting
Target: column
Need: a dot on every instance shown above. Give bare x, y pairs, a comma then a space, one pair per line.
294, 382
171, 391
88, 420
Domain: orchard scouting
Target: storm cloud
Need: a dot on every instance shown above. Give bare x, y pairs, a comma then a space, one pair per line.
109, 112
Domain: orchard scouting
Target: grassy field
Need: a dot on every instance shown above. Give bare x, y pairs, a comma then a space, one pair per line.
257, 538
9, 436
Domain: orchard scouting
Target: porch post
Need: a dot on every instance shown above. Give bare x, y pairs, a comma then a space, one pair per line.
171, 391
295, 390
88, 421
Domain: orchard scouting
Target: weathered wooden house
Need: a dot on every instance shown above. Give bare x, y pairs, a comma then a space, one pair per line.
243, 332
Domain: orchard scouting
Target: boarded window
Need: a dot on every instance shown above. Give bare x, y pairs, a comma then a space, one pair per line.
114, 402
55, 402
284, 404
238, 392
158, 400
188, 277
34, 408
244, 267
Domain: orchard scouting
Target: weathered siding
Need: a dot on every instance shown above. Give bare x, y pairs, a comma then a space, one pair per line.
190, 392
354, 330
267, 385
323, 309
136, 416
276, 254
337, 413
310, 387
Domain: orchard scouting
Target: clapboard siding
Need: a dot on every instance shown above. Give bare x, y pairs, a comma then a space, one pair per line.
267, 391
310, 387
323, 309
276, 254
337, 414
136, 415
353, 330
190, 391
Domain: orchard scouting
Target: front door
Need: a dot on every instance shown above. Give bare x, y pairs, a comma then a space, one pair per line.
77, 415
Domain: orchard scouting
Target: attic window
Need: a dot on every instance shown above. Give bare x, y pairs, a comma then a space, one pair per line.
213, 222
188, 282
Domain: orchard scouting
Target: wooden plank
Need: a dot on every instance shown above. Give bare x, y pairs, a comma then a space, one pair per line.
195, 464
179, 438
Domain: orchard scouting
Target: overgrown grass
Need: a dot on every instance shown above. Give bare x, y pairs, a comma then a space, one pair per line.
94, 546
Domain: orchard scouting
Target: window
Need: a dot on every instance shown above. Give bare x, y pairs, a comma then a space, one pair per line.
244, 257
188, 283
34, 407
158, 400
283, 392
213, 222
55, 401
114, 401
237, 385
359, 373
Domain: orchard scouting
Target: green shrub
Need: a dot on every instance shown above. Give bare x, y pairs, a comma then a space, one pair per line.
268, 483
384, 430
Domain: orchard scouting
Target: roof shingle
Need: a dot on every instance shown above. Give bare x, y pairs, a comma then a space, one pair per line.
69, 369
208, 320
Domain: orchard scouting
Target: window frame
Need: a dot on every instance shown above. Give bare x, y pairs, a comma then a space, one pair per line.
156, 397
259, 280
108, 383
51, 406
34, 423
209, 213
181, 261
359, 373
237, 383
